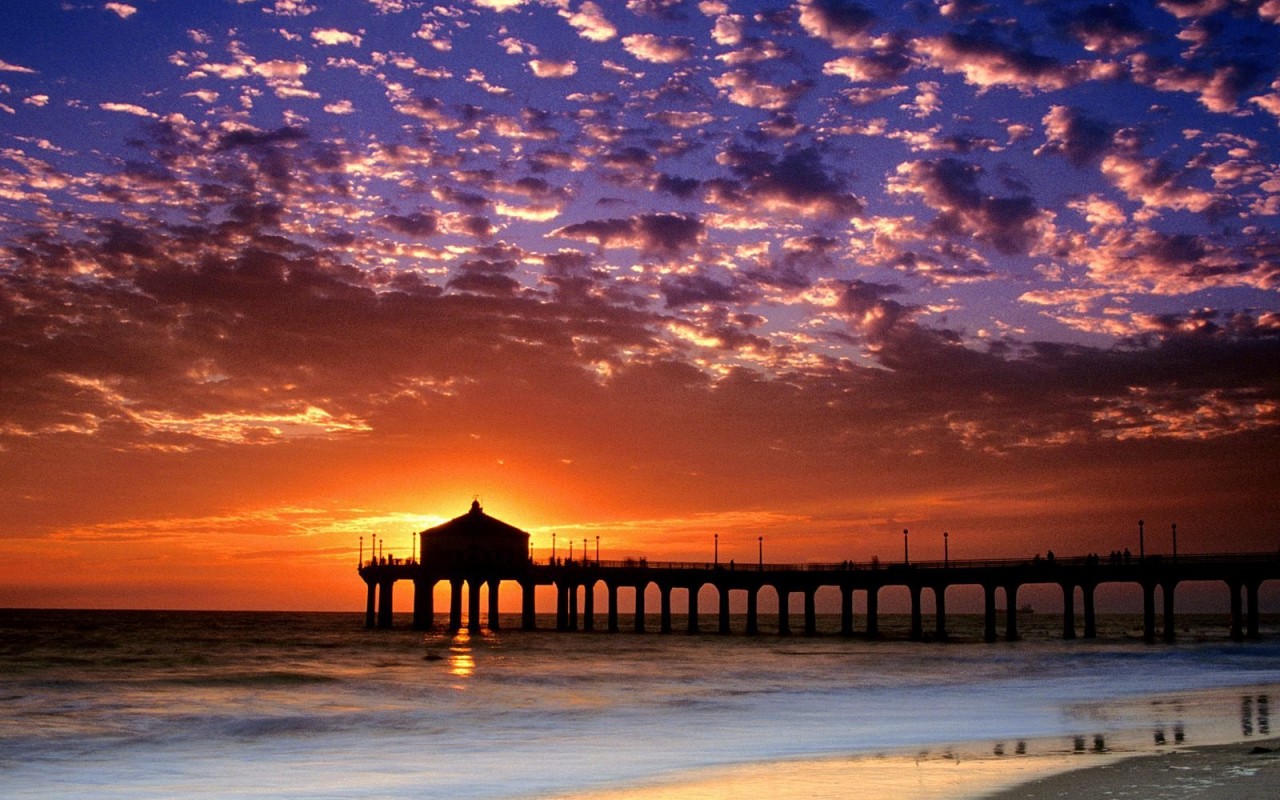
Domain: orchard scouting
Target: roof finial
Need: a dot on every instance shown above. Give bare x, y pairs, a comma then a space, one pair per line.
475, 504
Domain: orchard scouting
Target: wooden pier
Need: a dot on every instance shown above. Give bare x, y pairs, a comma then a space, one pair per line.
475, 550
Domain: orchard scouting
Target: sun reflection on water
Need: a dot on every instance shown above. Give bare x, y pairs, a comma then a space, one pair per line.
461, 662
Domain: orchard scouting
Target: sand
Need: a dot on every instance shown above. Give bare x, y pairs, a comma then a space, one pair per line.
1245, 771
1213, 772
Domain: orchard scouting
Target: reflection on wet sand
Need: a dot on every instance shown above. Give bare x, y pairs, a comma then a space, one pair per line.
1255, 714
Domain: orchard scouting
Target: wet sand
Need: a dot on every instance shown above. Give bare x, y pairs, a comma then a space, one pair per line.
1211, 772
941, 775
1244, 771
1140, 749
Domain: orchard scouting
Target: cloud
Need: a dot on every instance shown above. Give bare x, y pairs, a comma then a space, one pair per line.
887, 63
1219, 88
5, 66
333, 36
122, 10
590, 22
728, 29
1190, 9
418, 224
865, 305
1071, 133
683, 119
658, 9
544, 68
652, 234
1157, 262
291, 8
1010, 224
280, 69
340, 107
1109, 29
986, 61
128, 108
743, 88
797, 183
657, 50
1155, 182
843, 24
699, 289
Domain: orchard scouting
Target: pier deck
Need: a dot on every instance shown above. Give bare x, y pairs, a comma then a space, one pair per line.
1242, 573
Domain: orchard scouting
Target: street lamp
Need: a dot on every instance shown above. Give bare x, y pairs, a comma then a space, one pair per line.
906, 552
584, 549
946, 551
597, 551
553, 548
413, 548
1142, 545
717, 552
761, 540
361, 561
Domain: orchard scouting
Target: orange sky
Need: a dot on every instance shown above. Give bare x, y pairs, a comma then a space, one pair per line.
275, 276
278, 526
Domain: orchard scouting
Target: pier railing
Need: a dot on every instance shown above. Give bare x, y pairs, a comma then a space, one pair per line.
1206, 559
951, 563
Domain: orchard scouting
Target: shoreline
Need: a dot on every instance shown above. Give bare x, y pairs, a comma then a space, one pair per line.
1186, 744
1237, 771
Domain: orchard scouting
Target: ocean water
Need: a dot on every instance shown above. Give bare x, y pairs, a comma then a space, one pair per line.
98, 704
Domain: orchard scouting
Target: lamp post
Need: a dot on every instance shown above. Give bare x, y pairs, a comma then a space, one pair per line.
584, 549
761, 540
1142, 545
906, 551
597, 551
1175, 541
413, 549
946, 551
553, 548
717, 550
361, 561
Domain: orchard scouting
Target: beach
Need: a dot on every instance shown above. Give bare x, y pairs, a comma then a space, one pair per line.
1241, 771
1237, 771
183, 705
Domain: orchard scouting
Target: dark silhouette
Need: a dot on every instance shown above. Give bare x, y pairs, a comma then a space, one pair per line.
477, 550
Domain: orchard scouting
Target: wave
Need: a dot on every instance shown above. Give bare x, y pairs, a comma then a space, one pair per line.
263, 678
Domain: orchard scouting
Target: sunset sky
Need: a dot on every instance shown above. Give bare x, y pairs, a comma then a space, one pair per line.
279, 274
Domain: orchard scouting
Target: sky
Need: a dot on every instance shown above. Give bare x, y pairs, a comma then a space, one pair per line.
278, 277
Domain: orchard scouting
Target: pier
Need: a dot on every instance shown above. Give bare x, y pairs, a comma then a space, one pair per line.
476, 550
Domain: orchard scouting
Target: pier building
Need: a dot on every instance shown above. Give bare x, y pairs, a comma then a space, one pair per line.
476, 550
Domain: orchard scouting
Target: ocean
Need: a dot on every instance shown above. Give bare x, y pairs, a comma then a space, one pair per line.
130, 704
